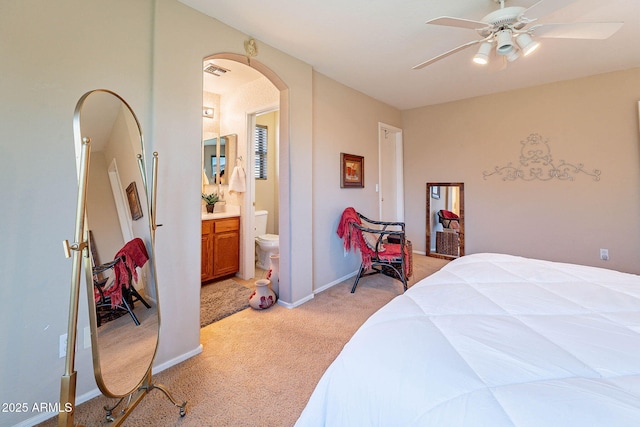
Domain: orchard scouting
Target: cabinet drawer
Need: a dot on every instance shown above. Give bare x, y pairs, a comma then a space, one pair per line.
227, 224
207, 227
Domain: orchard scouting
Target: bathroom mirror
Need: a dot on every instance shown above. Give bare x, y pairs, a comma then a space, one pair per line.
445, 219
218, 155
124, 323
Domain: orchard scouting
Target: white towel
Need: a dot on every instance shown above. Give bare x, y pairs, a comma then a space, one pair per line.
238, 181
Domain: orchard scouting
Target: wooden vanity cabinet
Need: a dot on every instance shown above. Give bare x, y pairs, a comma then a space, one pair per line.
220, 248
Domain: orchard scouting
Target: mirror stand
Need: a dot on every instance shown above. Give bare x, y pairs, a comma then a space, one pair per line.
146, 387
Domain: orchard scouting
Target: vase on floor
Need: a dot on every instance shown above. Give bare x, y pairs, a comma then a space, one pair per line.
263, 297
274, 274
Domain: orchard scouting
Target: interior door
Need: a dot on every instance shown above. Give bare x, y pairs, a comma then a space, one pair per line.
391, 183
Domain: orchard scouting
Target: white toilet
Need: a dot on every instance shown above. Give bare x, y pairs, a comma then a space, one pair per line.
266, 244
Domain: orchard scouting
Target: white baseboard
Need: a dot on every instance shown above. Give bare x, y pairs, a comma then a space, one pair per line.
335, 282
317, 291
85, 397
181, 358
297, 303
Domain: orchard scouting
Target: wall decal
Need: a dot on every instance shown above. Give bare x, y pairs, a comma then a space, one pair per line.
536, 163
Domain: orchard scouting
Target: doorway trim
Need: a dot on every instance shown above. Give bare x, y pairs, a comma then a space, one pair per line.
386, 132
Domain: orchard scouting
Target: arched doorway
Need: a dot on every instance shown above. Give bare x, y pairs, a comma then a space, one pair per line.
284, 196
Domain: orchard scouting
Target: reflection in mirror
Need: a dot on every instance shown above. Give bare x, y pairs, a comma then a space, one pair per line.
445, 220
122, 294
218, 155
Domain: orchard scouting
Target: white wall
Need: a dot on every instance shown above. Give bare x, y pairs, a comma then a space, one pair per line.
52, 53
344, 120
591, 121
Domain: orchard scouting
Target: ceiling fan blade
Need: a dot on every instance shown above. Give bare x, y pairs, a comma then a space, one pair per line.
577, 30
457, 22
444, 55
545, 7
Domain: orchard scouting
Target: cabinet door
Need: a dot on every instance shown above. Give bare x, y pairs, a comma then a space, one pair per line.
206, 261
206, 268
226, 253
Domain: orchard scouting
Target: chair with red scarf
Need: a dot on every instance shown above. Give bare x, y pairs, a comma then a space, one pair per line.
116, 291
449, 219
382, 244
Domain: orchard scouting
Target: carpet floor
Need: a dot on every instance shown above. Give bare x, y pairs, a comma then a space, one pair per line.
259, 367
221, 299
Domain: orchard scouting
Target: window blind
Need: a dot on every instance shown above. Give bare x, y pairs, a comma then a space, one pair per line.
260, 167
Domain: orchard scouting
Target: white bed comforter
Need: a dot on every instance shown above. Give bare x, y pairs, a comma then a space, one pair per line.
493, 340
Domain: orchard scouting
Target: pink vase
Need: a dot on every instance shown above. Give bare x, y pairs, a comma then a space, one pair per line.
263, 297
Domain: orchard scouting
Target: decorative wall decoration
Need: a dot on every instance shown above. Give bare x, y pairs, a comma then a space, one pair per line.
251, 48
536, 163
351, 171
134, 201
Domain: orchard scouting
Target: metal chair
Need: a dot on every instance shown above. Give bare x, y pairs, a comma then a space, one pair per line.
385, 250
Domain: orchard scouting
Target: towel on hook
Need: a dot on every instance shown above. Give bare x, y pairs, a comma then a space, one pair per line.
238, 181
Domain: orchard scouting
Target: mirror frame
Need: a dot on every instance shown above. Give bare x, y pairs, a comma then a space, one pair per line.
461, 231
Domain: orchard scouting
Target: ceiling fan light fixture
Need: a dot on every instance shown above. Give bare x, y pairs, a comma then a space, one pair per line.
513, 55
526, 43
504, 42
482, 57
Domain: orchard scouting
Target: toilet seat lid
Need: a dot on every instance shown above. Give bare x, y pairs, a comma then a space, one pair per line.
269, 237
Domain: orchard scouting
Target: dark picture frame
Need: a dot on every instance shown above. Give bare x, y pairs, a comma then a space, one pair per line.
435, 192
134, 201
351, 171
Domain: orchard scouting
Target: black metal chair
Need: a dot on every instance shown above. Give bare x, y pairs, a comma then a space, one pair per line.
379, 237
448, 219
104, 306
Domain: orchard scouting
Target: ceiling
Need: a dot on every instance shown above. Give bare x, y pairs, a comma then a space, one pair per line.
372, 45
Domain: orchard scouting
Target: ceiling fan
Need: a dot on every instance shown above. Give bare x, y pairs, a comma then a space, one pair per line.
506, 33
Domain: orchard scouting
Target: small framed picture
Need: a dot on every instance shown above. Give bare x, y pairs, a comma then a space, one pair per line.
435, 192
351, 171
134, 201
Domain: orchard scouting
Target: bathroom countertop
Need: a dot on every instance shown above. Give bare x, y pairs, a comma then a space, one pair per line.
218, 215
229, 211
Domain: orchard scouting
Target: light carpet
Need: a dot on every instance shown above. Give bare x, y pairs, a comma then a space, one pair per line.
259, 368
221, 299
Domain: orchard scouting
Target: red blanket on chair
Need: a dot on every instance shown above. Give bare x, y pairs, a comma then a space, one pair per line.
132, 255
353, 239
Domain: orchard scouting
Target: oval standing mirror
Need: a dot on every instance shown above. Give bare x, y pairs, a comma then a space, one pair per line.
445, 219
122, 293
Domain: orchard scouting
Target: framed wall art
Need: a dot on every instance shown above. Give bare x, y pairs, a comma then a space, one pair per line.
134, 201
351, 171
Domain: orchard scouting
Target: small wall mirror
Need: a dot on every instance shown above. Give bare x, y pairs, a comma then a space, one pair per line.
124, 324
218, 155
445, 219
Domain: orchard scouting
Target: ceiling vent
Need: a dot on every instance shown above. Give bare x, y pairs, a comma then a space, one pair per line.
215, 70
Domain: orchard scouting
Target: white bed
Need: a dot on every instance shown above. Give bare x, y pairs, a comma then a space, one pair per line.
493, 340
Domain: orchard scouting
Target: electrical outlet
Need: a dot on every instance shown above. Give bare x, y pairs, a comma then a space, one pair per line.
604, 254
62, 348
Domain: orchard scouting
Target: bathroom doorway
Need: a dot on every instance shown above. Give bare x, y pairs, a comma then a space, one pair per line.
264, 131
235, 95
